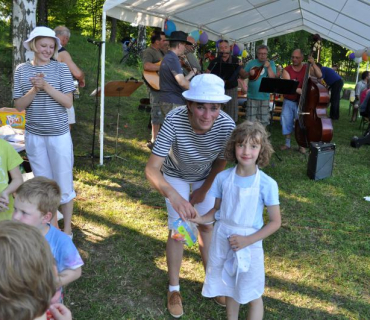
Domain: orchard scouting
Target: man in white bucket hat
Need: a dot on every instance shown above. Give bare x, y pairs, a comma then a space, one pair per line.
188, 153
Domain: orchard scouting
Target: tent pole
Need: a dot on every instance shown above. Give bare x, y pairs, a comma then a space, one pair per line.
102, 93
358, 71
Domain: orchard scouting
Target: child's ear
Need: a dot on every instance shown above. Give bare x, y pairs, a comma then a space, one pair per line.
47, 217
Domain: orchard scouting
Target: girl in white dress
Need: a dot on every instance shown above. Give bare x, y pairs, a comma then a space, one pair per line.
235, 267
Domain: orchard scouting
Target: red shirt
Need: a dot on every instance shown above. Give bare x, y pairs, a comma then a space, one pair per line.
298, 76
363, 95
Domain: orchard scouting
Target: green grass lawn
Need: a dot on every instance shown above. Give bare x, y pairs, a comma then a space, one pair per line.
317, 264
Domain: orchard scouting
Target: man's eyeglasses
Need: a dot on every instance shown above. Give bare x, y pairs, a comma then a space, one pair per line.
296, 57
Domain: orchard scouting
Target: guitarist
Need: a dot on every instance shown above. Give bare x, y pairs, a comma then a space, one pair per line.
258, 102
151, 56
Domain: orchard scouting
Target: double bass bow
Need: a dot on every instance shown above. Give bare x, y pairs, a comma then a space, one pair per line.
313, 124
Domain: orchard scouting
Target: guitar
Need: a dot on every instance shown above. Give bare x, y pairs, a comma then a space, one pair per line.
260, 70
151, 78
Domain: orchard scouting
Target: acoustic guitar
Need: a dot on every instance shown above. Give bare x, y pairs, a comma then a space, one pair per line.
260, 70
151, 78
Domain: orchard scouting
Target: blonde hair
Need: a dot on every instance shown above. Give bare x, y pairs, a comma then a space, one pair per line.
42, 192
27, 276
32, 46
255, 132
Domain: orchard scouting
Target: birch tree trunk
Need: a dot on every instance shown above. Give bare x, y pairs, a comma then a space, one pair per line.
141, 36
24, 21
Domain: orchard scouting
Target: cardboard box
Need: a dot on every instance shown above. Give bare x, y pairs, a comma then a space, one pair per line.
12, 117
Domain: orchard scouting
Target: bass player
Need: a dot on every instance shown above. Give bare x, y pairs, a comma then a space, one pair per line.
295, 71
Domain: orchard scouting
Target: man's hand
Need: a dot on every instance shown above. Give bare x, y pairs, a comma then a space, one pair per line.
197, 196
311, 59
81, 83
267, 64
182, 207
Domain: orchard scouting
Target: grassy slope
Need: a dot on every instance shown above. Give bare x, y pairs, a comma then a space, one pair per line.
317, 264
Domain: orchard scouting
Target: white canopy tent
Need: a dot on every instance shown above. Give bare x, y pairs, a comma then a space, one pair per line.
345, 22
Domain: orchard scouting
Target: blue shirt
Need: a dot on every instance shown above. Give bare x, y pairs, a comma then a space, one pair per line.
254, 86
269, 191
329, 75
64, 251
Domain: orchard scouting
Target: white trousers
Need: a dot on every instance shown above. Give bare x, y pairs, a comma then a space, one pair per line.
52, 157
184, 188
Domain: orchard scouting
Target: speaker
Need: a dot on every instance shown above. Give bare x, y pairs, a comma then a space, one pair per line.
320, 160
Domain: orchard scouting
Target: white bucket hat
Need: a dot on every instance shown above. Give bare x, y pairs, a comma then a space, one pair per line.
206, 88
41, 32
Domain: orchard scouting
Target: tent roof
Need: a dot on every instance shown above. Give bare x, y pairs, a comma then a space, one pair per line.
345, 22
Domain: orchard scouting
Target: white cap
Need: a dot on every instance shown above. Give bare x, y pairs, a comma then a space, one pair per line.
41, 32
206, 88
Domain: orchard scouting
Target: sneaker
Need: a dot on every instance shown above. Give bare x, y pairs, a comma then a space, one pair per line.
302, 150
220, 300
174, 304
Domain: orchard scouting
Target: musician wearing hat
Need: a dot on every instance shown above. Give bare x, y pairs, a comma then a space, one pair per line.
43, 87
188, 153
258, 102
172, 81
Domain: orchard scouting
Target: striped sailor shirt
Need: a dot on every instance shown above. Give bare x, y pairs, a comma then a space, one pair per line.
44, 116
188, 155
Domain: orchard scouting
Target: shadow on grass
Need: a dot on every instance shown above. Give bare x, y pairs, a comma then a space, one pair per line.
121, 270
351, 304
126, 271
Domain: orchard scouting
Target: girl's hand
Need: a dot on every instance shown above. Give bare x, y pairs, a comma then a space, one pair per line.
60, 312
38, 81
197, 219
238, 242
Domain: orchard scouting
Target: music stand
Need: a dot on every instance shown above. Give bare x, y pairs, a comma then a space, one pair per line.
118, 89
276, 85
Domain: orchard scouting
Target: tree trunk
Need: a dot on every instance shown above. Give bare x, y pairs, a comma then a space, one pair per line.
141, 36
113, 31
24, 21
42, 13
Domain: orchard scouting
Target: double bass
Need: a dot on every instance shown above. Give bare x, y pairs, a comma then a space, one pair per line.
313, 124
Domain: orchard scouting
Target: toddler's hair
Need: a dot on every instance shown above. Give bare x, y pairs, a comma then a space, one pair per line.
255, 132
42, 192
27, 277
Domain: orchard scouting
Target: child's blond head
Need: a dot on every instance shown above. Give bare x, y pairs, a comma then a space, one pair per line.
255, 132
41, 192
27, 279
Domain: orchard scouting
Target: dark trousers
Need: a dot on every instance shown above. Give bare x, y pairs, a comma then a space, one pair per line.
336, 89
